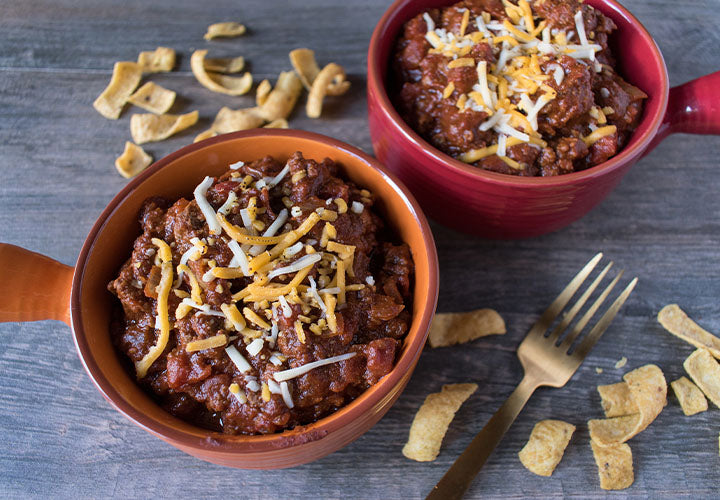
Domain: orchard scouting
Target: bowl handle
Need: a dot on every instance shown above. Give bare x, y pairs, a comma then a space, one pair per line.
33, 287
693, 108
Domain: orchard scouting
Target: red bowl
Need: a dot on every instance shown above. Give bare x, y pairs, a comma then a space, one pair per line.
35, 287
495, 205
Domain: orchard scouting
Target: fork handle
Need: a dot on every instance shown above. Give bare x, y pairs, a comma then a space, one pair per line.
458, 478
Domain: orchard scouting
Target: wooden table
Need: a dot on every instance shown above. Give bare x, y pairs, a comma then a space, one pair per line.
60, 438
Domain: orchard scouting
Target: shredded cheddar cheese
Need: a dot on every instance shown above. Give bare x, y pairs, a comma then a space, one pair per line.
599, 134
166, 281
330, 302
219, 340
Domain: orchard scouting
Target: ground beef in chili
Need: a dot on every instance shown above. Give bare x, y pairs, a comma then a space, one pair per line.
371, 309
527, 51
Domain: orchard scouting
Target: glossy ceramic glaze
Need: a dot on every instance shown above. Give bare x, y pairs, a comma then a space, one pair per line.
37, 287
502, 206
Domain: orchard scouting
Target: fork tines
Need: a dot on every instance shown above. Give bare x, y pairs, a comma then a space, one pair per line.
556, 336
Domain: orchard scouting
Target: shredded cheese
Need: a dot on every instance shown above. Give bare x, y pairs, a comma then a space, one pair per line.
166, 281
240, 362
599, 134
284, 375
279, 177
298, 265
229, 202
240, 236
271, 231
200, 193
287, 397
254, 347
209, 343
232, 314
330, 302
253, 317
299, 331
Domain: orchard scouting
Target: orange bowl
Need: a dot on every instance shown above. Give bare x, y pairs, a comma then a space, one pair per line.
110, 242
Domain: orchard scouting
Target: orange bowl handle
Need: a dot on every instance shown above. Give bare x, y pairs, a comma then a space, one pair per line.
33, 287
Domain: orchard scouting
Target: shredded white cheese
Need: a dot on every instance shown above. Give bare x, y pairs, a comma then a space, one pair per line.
314, 293
428, 20
273, 386
302, 370
239, 258
238, 359
225, 208
203, 309
286, 309
247, 221
301, 263
275, 360
200, 193
279, 177
254, 347
274, 330
357, 207
271, 231
287, 397
294, 249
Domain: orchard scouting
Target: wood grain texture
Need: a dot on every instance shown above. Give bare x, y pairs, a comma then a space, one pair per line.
61, 439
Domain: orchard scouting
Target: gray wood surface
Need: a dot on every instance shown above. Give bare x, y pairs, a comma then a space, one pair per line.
59, 438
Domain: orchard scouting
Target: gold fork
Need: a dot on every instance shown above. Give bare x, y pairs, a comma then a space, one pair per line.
547, 360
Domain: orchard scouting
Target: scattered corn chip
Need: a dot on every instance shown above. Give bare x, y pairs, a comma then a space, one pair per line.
151, 128
691, 398
432, 420
331, 75
225, 64
648, 390
303, 60
125, 79
229, 85
159, 60
546, 446
154, 98
224, 30
616, 400
281, 100
614, 463
205, 135
133, 160
705, 372
621, 363
279, 123
232, 120
679, 324
457, 328
262, 92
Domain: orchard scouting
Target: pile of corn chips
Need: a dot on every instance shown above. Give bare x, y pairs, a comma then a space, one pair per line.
630, 406
273, 105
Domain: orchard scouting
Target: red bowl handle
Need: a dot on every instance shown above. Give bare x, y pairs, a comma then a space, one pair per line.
33, 287
693, 108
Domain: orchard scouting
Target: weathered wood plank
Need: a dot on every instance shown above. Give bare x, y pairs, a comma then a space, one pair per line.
61, 439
